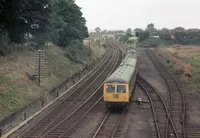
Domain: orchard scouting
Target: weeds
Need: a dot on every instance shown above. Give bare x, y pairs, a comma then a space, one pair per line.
179, 71
185, 61
10, 99
171, 66
168, 61
16, 86
188, 75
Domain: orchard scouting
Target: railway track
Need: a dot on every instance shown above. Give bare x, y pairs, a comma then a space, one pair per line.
158, 106
109, 126
63, 117
46, 117
176, 105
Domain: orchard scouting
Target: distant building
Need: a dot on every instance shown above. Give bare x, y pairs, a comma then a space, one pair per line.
157, 37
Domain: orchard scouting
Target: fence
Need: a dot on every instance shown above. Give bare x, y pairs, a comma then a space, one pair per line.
5, 50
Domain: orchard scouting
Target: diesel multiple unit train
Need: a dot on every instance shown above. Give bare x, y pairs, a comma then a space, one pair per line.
119, 85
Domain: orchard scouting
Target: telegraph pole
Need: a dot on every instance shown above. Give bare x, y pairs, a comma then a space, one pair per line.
99, 39
89, 48
39, 66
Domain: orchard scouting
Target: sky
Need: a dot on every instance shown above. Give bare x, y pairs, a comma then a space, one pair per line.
123, 14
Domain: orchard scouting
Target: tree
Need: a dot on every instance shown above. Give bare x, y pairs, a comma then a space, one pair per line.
138, 30
105, 31
165, 34
150, 28
180, 35
19, 17
68, 23
60, 21
142, 35
98, 29
129, 31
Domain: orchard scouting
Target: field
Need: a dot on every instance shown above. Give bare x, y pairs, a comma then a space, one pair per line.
185, 61
154, 42
16, 87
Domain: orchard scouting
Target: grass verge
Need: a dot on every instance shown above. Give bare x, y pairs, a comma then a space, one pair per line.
185, 61
16, 87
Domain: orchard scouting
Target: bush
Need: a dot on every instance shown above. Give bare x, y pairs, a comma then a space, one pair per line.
175, 54
179, 71
171, 66
168, 61
76, 52
4, 42
188, 75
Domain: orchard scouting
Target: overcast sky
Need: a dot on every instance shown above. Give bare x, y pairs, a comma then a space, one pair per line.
122, 14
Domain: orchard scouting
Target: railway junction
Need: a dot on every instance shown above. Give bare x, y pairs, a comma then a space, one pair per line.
160, 113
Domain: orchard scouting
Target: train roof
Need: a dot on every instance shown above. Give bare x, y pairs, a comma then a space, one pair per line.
130, 54
124, 72
130, 48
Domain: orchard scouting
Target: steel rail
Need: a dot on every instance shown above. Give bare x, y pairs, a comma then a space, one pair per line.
161, 99
81, 104
117, 126
103, 123
46, 128
103, 61
90, 108
151, 55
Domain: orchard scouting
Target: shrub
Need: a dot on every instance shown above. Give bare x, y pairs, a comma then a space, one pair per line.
175, 54
171, 66
188, 75
168, 61
179, 71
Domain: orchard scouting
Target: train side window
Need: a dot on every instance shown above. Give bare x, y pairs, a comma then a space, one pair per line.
110, 88
121, 89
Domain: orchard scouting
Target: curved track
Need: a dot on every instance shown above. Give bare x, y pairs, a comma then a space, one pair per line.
158, 106
177, 108
63, 117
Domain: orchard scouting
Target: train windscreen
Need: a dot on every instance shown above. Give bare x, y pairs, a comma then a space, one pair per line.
121, 89
110, 88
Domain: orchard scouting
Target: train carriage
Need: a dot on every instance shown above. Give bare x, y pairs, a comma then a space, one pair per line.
118, 86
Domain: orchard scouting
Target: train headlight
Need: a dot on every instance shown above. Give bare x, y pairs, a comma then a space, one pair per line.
139, 100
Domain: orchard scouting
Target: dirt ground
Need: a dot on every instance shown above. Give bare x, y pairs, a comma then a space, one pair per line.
138, 122
148, 70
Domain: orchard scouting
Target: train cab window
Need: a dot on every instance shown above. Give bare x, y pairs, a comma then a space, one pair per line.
121, 89
110, 88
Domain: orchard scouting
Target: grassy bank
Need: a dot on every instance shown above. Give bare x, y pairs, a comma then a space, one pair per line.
185, 61
16, 87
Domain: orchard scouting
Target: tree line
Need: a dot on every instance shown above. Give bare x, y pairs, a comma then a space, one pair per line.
181, 35
178, 35
41, 21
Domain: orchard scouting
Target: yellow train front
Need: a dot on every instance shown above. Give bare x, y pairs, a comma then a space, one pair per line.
119, 85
